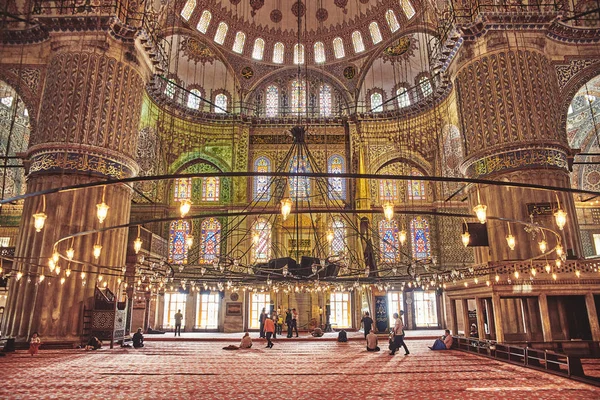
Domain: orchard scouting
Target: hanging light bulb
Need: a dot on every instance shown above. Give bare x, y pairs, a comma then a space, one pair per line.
533, 271
255, 238
189, 241
97, 251
402, 236
480, 210
561, 218
286, 207
70, 253
476, 280
39, 219
329, 236
137, 245
42, 277
19, 275
57, 270
466, 284
388, 210
510, 239
578, 273
68, 272
543, 245
185, 207
102, 211
105, 284
516, 274
55, 256
82, 275
62, 280
554, 276
559, 250
487, 283
558, 263
202, 270
548, 268
51, 264
216, 264
497, 278
100, 278
466, 238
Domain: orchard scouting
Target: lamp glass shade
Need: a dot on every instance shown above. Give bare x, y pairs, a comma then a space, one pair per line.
39, 220
481, 212
102, 211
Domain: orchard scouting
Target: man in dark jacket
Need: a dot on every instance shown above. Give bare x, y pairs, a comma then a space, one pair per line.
288, 322
138, 339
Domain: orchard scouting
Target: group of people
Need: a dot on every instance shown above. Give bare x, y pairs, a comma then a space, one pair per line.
274, 324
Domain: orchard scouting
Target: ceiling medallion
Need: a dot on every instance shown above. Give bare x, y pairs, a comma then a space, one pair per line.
342, 4
247, 72
276, 16
322, 15
298, 9
256, 5
349, 72
403, 48
197, 51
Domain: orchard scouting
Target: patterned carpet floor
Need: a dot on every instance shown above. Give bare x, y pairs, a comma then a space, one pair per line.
297, 370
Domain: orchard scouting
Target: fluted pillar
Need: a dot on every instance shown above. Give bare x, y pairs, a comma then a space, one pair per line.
89, 115
508, 105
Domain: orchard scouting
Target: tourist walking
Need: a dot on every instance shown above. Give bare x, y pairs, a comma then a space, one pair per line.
261, 320
269, 331
178, 318
398, 335
367, 323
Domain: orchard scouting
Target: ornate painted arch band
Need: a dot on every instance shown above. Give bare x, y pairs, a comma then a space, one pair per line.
80, 163
514, 160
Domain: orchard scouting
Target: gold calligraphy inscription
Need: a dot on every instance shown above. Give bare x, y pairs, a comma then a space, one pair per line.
517, 159
76, 162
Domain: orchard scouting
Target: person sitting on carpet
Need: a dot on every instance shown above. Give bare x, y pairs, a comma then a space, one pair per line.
138, 339
246, 343
317, 332
93, 344
372, 342
445, 343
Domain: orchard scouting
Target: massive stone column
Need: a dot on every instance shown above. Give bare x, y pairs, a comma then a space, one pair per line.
89, 116
508, 105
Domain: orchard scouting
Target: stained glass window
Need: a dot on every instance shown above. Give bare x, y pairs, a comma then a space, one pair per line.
183, 189
188, 9
325, 100
272, 101
258, 50
375, 32
298, 54
299, 185
376, 102
210, 188
388, 190
338, 47
261, 240
408, 8
388, 241
261, 183
221, 103
419, 232
278, 53
425, 85
169, 89
298, 97
178, 231
238, 43
210, 240
194, 100
204, 21
337, 186
319, 52
357, 41
403, 98
392, 21
338, 244
416, 188
221, 32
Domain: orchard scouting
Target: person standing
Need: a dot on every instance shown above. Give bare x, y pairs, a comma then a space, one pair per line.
295, 321
367, 322
269, 331
398, 335
288, 322
261, 320
274, 318
178, 318
279, 327
34, 344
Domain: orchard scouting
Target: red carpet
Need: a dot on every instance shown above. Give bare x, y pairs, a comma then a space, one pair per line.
298, 370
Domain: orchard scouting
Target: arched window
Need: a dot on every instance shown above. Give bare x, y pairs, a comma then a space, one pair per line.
376, 102
261, 183
419, 232
278, 53
375, 32
391, 20
325, 100
388, 190
178, 231
388, 241
188, 9
259, 48
416, 188
338, 244
357, 41
319, 52
204, 21
272, 101
169, 88
210, 240
298, 54
261, 240
238, 43
338, 47
402, 97
298, 97
425, 86
183, 189
221, 32
194, 99
408, 8
221, 103
299, 185
210, 188
337, 186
